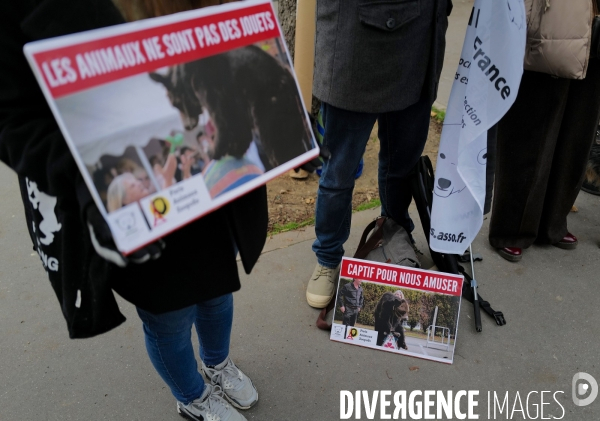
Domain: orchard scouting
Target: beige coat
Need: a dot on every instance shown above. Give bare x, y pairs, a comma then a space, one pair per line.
559, 36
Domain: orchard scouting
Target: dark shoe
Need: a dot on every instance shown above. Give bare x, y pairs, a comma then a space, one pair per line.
512, 254
569, 242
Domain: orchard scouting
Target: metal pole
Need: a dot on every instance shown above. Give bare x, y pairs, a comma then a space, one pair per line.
475, 297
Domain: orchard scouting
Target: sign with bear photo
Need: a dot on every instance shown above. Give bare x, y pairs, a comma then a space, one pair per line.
171, 118
397, 309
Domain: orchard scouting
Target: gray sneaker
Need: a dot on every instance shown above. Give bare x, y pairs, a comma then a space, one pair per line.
237, 387
321, 286
211, 406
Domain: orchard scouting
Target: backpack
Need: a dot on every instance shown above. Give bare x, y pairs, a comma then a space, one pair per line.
388, 242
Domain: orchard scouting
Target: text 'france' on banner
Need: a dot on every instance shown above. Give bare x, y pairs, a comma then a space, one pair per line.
485, 86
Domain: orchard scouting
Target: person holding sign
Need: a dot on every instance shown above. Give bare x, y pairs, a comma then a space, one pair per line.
186, 284
374, 62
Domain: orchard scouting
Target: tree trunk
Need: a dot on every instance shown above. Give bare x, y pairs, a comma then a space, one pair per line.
287, 18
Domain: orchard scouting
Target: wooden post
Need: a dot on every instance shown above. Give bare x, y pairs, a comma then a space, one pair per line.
304, 56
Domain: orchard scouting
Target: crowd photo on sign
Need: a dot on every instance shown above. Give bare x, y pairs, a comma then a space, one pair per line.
473, 124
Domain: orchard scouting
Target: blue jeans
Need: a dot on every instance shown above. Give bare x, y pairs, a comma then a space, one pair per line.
402, 135
169, 343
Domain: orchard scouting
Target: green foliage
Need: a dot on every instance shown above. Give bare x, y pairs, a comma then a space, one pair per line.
278, 228
413, 298
290, 226
373, 203
426, 311
438, 115
447, 311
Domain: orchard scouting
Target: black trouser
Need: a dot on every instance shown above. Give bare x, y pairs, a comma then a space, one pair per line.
543, 145
350, 316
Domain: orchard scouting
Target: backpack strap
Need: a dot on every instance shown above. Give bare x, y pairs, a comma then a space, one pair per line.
364, 245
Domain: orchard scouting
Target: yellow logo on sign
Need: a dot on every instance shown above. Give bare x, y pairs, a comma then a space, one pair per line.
159, 206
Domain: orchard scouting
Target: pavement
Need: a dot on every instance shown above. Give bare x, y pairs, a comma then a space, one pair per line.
550, 301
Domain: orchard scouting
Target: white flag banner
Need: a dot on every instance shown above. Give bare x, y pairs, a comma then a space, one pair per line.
485, 86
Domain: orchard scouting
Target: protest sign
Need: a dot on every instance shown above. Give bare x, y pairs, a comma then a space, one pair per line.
171, 118
397, 309
485, 86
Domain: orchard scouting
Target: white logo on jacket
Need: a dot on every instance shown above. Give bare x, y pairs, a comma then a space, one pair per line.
45, 204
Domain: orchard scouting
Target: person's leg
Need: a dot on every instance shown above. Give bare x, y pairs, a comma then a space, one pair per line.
577, 133
402, 135
349, 317
526, 140
380, 337
213, 322
169, 346
346, 322
168, 341
401, 339
346, 136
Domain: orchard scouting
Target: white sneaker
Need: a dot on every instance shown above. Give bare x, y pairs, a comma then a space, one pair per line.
211, 406
237, 387
321, 286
